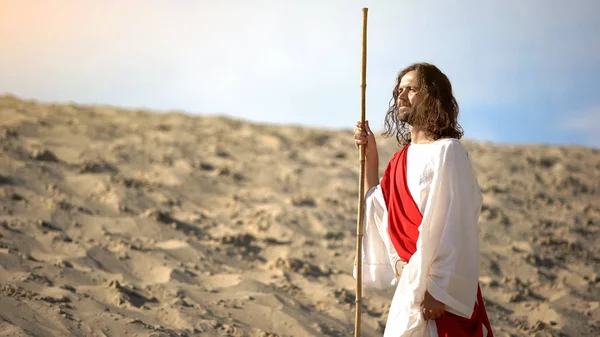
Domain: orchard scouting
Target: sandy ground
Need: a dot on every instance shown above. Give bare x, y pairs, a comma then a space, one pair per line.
121, 222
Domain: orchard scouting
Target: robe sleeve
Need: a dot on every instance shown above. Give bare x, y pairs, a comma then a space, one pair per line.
379, 256
449, 232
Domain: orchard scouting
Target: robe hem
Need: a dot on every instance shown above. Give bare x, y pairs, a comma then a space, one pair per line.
439, 294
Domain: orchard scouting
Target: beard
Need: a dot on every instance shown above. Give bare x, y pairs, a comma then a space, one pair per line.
404, 113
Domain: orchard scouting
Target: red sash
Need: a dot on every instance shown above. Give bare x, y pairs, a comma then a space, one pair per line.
404, 219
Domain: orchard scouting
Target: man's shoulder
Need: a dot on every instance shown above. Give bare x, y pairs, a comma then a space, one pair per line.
398, 153
451, 144
452, 148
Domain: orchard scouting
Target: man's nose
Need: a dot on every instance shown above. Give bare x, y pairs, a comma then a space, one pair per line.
403, 95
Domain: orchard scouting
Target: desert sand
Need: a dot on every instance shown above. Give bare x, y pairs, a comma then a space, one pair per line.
125, 222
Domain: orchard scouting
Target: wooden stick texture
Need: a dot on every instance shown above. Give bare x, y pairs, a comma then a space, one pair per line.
361, 183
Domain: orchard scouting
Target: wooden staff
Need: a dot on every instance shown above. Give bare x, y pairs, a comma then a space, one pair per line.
361, 183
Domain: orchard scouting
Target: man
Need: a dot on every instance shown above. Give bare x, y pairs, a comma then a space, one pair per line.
421, 218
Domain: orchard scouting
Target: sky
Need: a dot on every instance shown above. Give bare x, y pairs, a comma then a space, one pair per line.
523, 71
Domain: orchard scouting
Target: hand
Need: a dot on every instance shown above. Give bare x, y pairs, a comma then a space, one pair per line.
432, 308
399, 267
364, 136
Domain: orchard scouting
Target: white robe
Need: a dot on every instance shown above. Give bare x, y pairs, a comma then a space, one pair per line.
442, 182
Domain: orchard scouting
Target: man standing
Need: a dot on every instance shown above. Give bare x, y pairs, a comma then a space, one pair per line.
421, 230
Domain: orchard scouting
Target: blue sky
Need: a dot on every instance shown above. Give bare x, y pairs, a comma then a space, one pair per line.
523, 71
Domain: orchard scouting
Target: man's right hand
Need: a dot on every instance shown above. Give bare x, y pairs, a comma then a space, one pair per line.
364, 136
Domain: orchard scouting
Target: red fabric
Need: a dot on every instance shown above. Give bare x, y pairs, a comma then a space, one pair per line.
450, 325
404, 219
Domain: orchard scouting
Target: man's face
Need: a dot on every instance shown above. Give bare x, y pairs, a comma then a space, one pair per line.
408, 94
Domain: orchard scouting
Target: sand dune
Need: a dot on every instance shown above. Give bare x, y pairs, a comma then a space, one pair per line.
119, 222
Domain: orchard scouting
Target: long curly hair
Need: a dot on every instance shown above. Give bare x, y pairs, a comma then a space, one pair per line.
436, 114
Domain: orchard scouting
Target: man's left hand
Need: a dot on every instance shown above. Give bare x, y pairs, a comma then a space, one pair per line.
432, 308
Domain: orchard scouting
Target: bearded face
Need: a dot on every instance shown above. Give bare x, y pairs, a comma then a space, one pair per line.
408, 95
